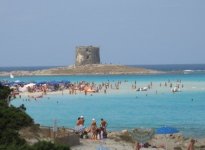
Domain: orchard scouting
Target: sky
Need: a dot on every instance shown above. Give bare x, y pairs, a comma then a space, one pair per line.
128, 32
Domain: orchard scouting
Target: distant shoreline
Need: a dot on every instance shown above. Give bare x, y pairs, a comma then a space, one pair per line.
102, 69
95, 69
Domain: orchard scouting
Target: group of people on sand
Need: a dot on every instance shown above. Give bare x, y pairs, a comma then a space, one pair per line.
94, 132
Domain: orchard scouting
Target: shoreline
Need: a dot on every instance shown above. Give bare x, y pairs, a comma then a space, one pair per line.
119, 140
95, 69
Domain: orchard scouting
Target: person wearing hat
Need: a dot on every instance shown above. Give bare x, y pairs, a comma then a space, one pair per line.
93, 129
82, 120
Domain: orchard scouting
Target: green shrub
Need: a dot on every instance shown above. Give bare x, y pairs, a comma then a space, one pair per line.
4, 92
16, 147
43, 145
10, 136
11, 120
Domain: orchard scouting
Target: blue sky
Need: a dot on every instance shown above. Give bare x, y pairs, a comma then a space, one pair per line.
46, 32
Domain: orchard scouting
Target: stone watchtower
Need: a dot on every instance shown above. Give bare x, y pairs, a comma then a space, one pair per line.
87, 55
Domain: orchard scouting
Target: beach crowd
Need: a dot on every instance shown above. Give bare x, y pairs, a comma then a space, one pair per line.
93, 131
36, 90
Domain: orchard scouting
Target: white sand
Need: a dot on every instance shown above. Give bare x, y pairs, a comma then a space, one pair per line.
108, 143
158, 140
126, 87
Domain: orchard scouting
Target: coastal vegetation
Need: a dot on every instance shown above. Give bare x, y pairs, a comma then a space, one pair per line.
12, 119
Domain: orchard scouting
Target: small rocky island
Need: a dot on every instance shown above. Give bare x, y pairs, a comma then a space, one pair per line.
87, 62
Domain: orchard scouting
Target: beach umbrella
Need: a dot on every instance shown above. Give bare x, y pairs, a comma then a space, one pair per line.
23, 89
10, 83
65, 82
21, 83
17, 81
42, 82
53, 83
30, 85
166, 130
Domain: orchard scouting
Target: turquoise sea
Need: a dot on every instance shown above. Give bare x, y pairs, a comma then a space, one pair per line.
124, 110
127, 109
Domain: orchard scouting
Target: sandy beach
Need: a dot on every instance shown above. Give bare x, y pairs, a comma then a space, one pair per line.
127, 87
118, 140
157, 143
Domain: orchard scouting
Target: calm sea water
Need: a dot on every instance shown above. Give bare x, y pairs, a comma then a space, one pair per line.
175, 67
26, 68
125, 110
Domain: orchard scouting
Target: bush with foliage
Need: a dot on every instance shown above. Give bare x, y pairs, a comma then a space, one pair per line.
49, 146
4, 92
11, 120
42, 145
